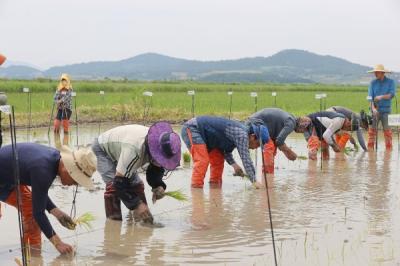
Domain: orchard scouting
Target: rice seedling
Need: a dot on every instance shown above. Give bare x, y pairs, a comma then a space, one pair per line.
85, 221
177, 194
302, 157
186, 157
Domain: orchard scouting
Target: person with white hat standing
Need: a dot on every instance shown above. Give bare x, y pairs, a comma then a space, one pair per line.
39, 166
380, 92
122, 152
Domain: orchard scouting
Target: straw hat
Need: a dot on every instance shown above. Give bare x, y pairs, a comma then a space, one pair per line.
81, 165
66, 78
2, 59
379, 68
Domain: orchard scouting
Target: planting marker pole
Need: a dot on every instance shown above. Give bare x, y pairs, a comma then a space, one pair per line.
51, 118
146, 105
274, 94
230, 93
397, 128
9, 110
73, 94
192, 93
268, 201
29, 112
255, 95
102, 96
319, 97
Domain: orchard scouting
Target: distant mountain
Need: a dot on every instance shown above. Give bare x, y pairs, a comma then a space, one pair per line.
287, 66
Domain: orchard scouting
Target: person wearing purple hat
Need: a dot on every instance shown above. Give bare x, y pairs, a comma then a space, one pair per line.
125, 151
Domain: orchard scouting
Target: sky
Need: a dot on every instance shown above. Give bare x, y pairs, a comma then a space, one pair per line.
57, 32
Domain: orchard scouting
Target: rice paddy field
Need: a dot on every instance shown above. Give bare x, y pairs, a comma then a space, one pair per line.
124, 100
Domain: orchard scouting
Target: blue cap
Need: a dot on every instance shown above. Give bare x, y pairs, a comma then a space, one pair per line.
260, 131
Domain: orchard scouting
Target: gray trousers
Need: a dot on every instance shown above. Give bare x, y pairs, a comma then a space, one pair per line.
383, 118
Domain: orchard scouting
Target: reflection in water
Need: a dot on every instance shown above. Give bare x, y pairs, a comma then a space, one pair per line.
348, 213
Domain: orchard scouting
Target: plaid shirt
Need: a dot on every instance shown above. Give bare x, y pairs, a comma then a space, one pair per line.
240, 138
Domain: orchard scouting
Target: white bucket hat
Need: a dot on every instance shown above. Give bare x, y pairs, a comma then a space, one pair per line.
81, 164
379, 68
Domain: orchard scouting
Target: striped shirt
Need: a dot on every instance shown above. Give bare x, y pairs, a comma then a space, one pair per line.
125, 146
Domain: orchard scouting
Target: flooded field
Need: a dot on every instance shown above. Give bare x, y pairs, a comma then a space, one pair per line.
348, 213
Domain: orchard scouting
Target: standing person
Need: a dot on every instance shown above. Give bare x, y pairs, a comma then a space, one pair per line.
211, 140
381, 91
39, 165
63, 101
322, 128
280, 124
362, 119
124, 151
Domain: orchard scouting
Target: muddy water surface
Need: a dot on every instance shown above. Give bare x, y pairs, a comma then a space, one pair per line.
348, 213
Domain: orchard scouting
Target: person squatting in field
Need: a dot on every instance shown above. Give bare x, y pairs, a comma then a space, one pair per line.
211, 141
122, 152
381, 92
322, 128
39, 166
280, 124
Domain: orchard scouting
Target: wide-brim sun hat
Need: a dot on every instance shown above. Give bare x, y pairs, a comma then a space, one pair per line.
164, 145
81, 165
379, 68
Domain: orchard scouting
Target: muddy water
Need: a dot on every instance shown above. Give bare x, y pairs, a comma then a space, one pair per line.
348, 213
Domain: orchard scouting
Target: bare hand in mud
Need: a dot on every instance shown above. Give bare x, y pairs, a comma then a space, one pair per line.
64, 248
257, 185
158, 193
238, 170
142, 213
336, 148
291, 155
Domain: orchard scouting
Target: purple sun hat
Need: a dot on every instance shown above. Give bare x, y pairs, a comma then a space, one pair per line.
164, 145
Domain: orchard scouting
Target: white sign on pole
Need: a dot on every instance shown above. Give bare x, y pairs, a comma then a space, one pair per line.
101, 92
191, 93
230, 92
394, 120
25, 89
318, 96
5, 109
273, 93
253, 94
147, 93
324, 95
369, 98
73, 94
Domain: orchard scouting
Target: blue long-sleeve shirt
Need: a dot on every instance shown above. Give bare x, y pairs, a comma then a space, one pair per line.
38, 166
382, 87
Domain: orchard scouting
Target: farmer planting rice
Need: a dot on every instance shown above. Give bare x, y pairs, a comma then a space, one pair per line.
124, 151
381, 91
322, 128
39, 166
362, 119
63, 101
211, 140
280, 124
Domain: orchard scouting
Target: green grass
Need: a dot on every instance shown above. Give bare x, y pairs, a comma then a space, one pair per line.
124, 101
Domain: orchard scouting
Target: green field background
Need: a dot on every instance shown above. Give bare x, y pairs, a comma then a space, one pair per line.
124, 101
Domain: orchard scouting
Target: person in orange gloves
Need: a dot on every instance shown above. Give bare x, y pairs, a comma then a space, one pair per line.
39, 166
381, 91
63, 100
280, 124
322, 128
211, 141
362, 119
